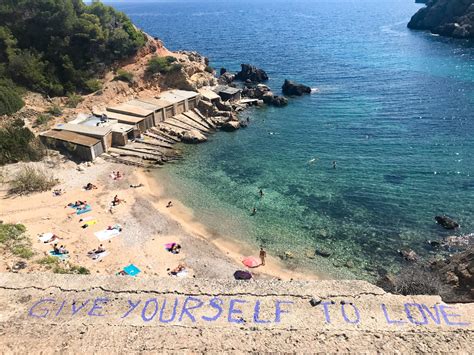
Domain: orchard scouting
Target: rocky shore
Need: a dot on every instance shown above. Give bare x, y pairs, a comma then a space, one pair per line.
451, 18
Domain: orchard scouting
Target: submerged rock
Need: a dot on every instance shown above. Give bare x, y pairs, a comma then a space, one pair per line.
324, 253
291, 88
446, 222
251, 73
408, 254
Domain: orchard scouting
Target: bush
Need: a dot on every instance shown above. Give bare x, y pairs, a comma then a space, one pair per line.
48, 261
162, 65
209, 69
13, 238
30, 179
125, 76
73, 100
92, 85
55, 110
77, 270
42, 120
18, 143
10, 100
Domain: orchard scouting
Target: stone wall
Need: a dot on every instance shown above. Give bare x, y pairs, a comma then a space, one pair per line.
44, 312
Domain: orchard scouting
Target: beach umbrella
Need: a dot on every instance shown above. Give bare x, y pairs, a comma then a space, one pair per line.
251, 261
242, 275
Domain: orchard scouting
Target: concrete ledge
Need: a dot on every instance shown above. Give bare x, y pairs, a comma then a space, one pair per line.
109, 314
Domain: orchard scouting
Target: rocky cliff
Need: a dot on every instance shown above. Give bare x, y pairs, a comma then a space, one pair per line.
453, 18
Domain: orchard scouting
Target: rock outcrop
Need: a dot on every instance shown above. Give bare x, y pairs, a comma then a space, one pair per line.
452, 18
193, 137
230, 126
294, 89
458, 272
270, 99
251, 73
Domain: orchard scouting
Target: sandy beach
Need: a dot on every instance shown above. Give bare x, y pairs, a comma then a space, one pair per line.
147, 225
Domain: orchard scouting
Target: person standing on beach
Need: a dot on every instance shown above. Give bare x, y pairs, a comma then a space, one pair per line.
263, 255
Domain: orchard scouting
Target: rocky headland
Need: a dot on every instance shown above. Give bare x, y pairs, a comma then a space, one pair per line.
452, 18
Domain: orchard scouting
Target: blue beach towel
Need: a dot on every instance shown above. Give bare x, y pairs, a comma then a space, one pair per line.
85, 210
60, 256
131, 270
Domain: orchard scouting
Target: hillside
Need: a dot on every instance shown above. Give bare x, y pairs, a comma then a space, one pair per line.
452, 18
59, 47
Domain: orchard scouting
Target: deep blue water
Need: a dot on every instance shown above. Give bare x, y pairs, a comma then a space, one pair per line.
395, 109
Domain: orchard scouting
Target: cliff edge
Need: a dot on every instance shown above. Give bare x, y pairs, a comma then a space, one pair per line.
452, 18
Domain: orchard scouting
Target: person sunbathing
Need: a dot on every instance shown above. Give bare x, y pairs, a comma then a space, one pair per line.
170, 204
90, 186
99, 250
56, 249
62, 250
178, 269
136, 186
175, 249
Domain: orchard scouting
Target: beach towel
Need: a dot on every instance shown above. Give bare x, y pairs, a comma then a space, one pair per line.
182, 273
169, 246
89, 223
85, 219
45, 237
59, 256
85, 210
106, 234
131, 270
98, 256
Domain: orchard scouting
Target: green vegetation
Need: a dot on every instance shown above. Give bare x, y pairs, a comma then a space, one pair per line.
50, 262
18, 143
55, 110
123, 75
42, 120
73, 100
13, 239
10, 99
57, 47
162, 65
30, 179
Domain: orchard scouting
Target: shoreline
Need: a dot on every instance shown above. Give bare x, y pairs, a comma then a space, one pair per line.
229, 247
147, 226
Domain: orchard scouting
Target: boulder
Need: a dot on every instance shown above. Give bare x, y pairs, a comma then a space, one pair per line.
193, 136
274, 100
458, 272
230, 126
226, 78
294, 89
446, 222
251, 73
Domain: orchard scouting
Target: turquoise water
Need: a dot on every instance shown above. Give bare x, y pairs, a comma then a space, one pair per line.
395, 109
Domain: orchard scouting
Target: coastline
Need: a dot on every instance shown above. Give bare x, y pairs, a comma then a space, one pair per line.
147, 226
229, 247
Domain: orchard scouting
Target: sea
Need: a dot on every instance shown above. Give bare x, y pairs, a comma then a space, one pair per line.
394, 108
